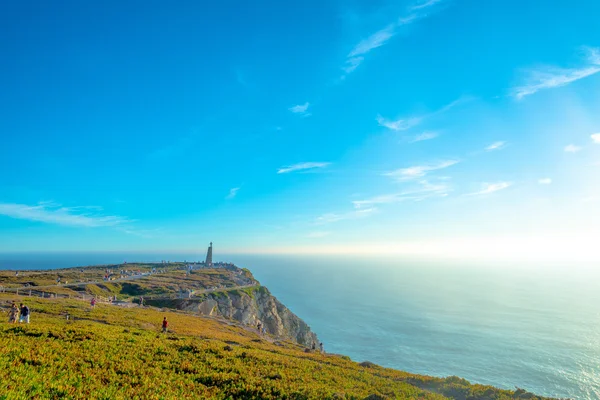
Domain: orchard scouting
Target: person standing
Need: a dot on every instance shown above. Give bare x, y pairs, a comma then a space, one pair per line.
24, 314
165, 325
93, 302
321, 347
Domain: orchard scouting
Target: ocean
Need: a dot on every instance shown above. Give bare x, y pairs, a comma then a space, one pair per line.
533, 327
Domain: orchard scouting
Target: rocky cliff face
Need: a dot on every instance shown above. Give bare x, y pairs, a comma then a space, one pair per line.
249, 306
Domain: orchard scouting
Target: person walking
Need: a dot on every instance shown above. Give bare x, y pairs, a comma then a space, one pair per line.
321, 347
13, 313
93, 302
24, 314
165, 325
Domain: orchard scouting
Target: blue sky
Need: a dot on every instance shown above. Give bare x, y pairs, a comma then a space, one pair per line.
445, 127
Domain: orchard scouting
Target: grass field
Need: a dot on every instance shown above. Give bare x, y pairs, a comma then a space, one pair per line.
112, 352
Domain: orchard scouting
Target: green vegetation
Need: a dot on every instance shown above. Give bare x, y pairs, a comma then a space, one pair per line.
112, 352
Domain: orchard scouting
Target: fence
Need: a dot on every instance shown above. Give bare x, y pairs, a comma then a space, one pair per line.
49, 295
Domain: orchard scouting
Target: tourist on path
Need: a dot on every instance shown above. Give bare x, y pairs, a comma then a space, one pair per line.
259, 327
13, 313
93, 302
24, 314
165, 325
321, 347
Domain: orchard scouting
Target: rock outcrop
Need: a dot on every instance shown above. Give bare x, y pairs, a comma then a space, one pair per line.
249, 306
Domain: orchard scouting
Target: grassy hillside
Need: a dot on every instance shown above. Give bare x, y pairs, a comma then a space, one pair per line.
112, 352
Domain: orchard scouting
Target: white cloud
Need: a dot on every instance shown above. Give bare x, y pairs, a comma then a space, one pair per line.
425, 136
399, 124
551, 76
419, 171
302, 167
409, 19
54, 214
300, 108
403, 124
487, 188
572, 148
381, 37
374, 41
593, 54
595, 137
545, 181
356, 214
425, 4
318, 234
496, 146
232, 193
427, 190
352, 64
356, 55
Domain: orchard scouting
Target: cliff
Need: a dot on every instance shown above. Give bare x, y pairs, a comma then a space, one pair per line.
249, 306
222, 291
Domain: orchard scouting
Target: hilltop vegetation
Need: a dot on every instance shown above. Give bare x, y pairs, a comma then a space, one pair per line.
118, 353
126, 280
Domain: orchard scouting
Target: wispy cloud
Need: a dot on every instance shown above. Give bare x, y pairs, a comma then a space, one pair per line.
595, 137
487, 188
143, 233
496, 146
54, 214
548, 77
426, 4
428, 135
572, 148
419, 171
399, 124
318, 234
352, 64
356, 214
232, 193
427, 190
302, 167
374, 41
300, 108
545, 181
357, 55
405, 123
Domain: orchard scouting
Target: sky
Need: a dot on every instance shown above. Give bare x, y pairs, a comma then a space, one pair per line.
428, 127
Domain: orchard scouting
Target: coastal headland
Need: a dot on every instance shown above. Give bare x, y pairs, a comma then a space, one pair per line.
228, 337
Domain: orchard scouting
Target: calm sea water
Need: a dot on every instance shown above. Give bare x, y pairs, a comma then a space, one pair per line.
535, 327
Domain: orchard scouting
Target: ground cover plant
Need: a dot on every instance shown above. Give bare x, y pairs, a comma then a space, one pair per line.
111, 352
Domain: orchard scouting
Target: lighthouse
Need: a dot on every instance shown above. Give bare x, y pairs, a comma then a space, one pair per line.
209, 262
